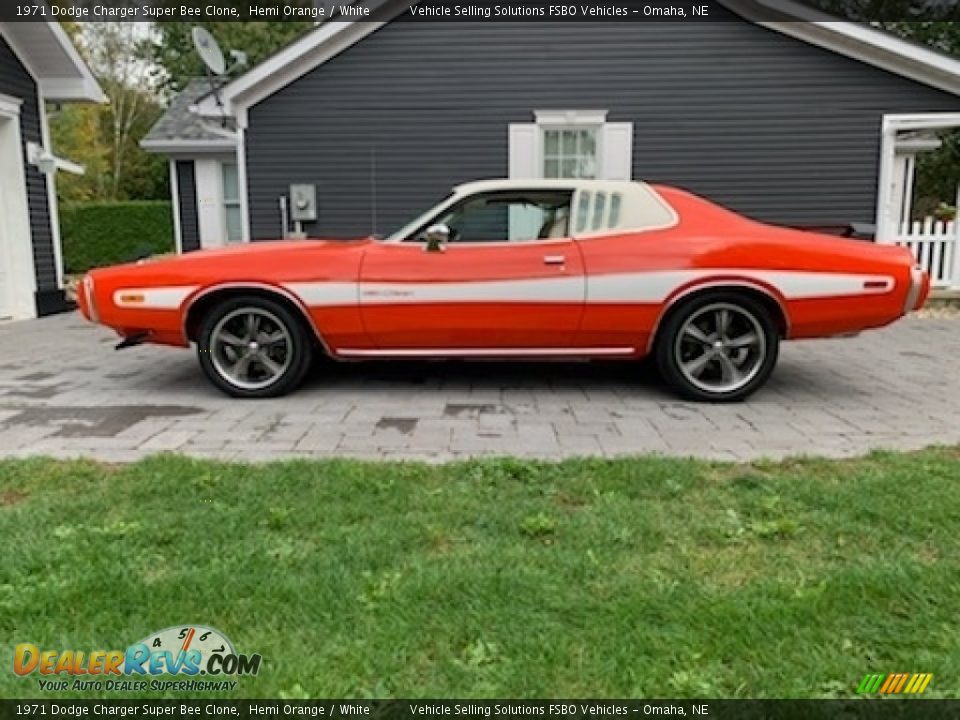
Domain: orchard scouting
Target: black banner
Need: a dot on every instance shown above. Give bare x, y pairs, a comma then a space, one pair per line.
477, 10
861, 709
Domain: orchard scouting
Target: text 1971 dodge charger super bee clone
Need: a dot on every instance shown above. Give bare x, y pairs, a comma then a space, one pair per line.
511, 268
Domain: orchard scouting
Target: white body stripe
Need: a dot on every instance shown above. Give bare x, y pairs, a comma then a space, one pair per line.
657, 286
324, 294
156, 298
559, 289
622, 288
641, 287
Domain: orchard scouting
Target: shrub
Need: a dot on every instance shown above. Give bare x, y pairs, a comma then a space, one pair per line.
106, 233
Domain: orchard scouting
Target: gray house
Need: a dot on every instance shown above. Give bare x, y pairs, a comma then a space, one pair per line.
38, 65
801, 123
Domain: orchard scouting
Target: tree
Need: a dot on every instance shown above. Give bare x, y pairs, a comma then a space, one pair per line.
105, 138
937, 15
173, 48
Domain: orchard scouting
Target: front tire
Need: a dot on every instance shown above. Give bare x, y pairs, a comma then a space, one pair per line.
718, 347
254, 347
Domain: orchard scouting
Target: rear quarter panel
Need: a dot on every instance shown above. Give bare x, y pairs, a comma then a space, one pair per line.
817, 280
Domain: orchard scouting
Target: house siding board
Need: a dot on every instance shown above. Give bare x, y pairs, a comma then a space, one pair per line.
187, 198
17, 82
767, 125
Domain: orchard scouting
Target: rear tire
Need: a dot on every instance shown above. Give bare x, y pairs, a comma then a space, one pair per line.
720, 346
254, 347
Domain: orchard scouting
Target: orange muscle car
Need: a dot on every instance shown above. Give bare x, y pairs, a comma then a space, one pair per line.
518, 268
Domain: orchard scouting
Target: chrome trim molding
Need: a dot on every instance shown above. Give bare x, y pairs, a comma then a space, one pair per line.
283, 292
916, 285
718, 284
490, 352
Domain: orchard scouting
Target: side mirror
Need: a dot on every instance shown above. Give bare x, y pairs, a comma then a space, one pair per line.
437, 236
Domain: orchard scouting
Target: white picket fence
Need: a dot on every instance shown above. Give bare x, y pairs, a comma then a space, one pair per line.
935, 245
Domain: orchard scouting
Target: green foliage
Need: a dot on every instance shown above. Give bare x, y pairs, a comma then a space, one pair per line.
95, 234
121, 171
174, 51
938, 174
105, 138
900, 17
538, 525
663, 577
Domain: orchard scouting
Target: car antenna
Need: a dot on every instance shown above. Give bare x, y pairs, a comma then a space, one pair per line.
373, 191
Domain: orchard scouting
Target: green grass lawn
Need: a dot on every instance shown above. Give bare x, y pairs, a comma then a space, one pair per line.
637, 577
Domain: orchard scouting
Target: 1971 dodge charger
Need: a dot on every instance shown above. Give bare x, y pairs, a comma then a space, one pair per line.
518, 268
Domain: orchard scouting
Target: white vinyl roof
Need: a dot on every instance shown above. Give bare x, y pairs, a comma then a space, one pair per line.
492, 185
639, 206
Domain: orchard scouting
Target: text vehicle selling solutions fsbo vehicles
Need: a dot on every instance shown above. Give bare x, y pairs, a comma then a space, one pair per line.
518, 269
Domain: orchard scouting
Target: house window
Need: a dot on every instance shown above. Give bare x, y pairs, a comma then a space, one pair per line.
570, 144
570, 152
231, 203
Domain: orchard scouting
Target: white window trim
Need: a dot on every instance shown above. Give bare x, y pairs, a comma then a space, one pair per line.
50, 179
175, 197
241, 155
570, 117
236, 203
885, 232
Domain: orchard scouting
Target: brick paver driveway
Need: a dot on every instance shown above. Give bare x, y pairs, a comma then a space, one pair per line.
65, 392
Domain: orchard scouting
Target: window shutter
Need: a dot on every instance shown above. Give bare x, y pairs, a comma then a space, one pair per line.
523, 151
617, 151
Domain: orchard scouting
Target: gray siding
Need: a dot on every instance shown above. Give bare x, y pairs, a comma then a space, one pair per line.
767, 125
187, 198
16, 81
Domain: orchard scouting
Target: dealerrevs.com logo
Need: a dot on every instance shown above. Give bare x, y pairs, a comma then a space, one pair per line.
187, 651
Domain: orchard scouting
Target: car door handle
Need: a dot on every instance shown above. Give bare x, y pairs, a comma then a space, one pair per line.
554, 259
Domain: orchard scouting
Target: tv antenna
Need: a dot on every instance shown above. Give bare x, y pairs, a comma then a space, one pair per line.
210, 53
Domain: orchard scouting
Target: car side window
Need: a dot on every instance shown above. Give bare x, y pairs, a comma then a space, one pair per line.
583, 207
506, 216
599, 205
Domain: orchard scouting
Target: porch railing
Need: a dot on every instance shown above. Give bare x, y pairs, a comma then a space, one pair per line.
936, 247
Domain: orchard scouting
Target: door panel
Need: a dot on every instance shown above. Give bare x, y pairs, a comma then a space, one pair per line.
473, 295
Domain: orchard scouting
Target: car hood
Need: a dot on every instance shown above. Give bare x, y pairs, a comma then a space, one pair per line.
234, 262
254, 249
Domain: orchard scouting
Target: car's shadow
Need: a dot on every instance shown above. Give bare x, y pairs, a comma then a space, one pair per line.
485, 374
793, 380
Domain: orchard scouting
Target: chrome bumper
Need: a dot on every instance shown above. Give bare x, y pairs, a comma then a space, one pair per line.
90, 299
916, 287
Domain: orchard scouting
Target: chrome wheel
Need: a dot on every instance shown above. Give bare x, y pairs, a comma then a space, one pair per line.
251, 348
720, 348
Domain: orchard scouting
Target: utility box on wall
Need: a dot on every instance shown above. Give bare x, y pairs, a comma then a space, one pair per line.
303, 203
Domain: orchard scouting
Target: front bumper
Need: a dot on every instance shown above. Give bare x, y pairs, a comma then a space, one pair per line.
919, 289
87, 300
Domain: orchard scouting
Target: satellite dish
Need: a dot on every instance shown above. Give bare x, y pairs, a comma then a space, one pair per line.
209, 51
